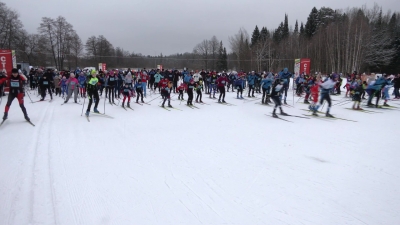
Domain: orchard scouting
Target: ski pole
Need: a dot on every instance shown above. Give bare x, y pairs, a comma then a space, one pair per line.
105, 99
1, 93
83, 105
28, 96
153, 99
323, 106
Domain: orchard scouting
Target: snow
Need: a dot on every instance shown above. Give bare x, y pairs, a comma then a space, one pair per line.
214, 165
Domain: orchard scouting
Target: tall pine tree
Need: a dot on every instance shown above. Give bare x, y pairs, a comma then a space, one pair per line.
255, 36
312, 23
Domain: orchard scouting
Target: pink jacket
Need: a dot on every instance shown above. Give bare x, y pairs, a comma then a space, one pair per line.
72, 83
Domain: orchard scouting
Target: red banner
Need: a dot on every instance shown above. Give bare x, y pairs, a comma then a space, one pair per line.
103, 67
6, 60
305, 65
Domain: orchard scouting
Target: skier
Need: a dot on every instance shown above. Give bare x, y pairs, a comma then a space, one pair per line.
45, 83
91, 88
72, 85
232, 78
15, 83
266, 83
251, 80
143, 80
190, 92
157, 78
181, 88
358, 89
277, 89
82, 84
396, 82
111, 81
385, 90
326, 87
239, 86
285, 76
374, 90
198, 88
139, 91
165, 91
128, 79
314, 89
126, 92
221, 81
57, 86
63, 85
212, 88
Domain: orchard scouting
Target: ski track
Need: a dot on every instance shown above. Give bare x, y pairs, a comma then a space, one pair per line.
42, 177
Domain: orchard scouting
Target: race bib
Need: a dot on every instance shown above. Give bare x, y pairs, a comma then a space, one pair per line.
45, 82
111, 79
14, 84
93, 82
139, 87
72, 83
223, 82
190, 86
126, 90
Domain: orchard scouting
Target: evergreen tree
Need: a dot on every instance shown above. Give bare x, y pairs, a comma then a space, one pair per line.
312, 23
225, 60
264, 33
296, 28
285, 28
302, 31
255, 36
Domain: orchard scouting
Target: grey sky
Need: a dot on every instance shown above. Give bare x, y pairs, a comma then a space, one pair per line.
172, 26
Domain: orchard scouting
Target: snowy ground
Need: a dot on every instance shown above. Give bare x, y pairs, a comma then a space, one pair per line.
214, 165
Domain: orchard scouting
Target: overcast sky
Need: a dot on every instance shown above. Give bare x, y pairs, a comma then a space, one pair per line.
152, 27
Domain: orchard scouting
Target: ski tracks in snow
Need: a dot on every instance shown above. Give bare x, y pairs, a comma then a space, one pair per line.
42, 197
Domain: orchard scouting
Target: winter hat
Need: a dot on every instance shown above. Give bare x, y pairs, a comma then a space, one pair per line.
14, 70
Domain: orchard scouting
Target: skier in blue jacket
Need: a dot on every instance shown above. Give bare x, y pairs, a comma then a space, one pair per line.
251, 80
266, 83
285, 76
374, 90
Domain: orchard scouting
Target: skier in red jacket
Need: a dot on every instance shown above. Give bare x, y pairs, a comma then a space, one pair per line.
16, 84
221, 81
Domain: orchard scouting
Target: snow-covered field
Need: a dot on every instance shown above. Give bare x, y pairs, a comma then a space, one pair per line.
214, 165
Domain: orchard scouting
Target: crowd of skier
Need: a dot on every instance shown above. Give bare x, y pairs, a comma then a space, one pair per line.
124, 85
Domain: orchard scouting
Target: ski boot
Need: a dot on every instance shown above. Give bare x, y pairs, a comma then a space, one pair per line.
95, 110
169, 105
128, 104
241, 97
162, 105
306, 101
329, 115
284, 102
66, 102
123, 105
274, 114
385, 104
219, 101
315, 113
223, 101
27, 118
238, 97
201, 101
197, 101
87, 113
253, 96
5, 115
